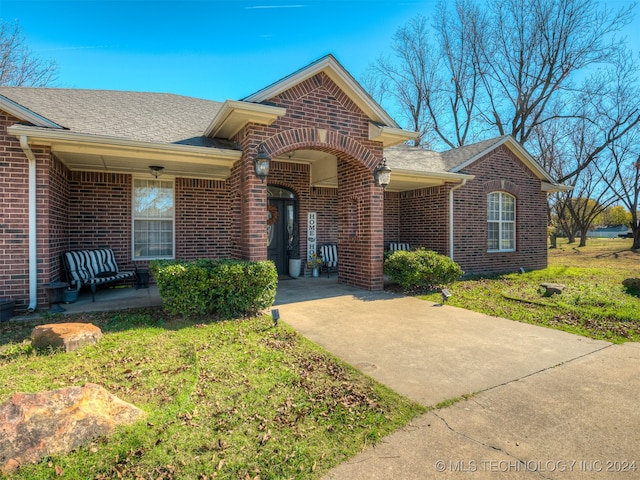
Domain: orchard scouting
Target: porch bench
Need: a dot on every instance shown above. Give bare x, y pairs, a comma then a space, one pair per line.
93, 268
394, 246
329, 255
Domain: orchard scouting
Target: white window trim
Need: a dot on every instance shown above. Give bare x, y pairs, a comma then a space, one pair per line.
501, 222
133, 219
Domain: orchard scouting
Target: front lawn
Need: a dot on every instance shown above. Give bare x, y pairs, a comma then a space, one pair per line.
235, 399
594, 304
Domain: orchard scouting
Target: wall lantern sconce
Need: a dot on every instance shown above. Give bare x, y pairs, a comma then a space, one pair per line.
261, 163
156, 170
382, 174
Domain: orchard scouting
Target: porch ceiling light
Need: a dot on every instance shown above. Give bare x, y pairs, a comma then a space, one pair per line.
382, 174
261, 162
156, 170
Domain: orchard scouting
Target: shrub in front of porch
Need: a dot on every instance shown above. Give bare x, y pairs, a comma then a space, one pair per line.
421, 269
224, 288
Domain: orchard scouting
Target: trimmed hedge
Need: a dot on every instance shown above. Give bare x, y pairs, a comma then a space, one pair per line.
223, 288
421, 269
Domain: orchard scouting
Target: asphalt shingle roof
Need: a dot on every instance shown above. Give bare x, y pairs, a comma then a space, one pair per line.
407, 157
139, 116
170, 118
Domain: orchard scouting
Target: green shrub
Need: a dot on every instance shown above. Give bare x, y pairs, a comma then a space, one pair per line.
223, 288
421, 269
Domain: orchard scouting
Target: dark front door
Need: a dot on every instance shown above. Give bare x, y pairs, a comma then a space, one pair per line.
282, 234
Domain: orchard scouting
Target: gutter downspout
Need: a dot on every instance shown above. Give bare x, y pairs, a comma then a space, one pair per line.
33, 252
464, 182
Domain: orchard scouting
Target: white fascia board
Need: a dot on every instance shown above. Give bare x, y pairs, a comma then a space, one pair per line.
336, 72
69, 141
555, 187
442, 176
522, 154
389, 136
25, 114
234, 115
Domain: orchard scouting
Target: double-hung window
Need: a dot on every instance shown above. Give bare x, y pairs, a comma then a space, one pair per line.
501, 222
153, 219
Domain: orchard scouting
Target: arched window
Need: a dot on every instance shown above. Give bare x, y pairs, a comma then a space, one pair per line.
501, 222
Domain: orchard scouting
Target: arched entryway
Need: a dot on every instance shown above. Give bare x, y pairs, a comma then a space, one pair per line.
282, 227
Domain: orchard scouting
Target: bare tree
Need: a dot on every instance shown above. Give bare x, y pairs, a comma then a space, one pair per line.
623, 177
534, 52
410, 80
18, 65
499, 67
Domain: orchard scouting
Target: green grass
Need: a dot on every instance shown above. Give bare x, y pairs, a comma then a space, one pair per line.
235, 399
594, 304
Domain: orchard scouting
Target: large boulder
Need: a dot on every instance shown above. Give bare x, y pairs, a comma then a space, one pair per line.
632, 284
34, 425
70, 336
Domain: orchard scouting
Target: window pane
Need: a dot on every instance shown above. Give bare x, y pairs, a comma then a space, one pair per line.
508, 208
501, 216
493, 236
493, 206
153, 199
508, 236
153, 218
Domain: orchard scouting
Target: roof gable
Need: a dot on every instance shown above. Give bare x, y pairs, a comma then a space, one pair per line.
343, 79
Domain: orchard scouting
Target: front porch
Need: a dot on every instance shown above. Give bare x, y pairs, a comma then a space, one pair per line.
126, 297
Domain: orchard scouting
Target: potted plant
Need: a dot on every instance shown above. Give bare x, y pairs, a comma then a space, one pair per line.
294, 262
314, 263
71, 293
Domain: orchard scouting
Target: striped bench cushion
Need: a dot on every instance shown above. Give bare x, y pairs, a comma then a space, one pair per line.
329, 255
399, 246
94, 267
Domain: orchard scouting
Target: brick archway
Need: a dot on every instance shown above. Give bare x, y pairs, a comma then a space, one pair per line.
360, 224
321, 139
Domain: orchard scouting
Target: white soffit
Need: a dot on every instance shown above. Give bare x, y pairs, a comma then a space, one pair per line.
234, 115
118, 155
405, 180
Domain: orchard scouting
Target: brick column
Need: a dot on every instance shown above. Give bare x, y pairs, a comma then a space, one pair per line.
253, 222
361, 227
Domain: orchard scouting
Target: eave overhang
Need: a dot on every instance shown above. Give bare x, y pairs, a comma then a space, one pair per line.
406, 180
87, 152
555, 187
389, 136
25, 114
235, 115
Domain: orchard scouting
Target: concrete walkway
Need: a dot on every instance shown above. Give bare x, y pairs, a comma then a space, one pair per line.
545, 404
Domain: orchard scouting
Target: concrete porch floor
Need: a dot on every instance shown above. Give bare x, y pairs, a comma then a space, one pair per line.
124, 297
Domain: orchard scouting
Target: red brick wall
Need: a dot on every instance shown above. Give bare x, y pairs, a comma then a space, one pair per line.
14, 217
204, 219
100, 213
500, 170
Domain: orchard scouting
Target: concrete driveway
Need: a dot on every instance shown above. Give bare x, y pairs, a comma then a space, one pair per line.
545, 404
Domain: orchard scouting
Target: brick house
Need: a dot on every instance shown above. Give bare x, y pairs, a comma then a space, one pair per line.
75, 174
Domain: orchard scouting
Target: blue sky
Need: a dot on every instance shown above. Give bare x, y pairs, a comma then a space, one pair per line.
211, 49
204, 48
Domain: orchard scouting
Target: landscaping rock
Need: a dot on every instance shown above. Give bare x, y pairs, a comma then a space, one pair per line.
69, 336
632, 283
552, 288
40, 424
